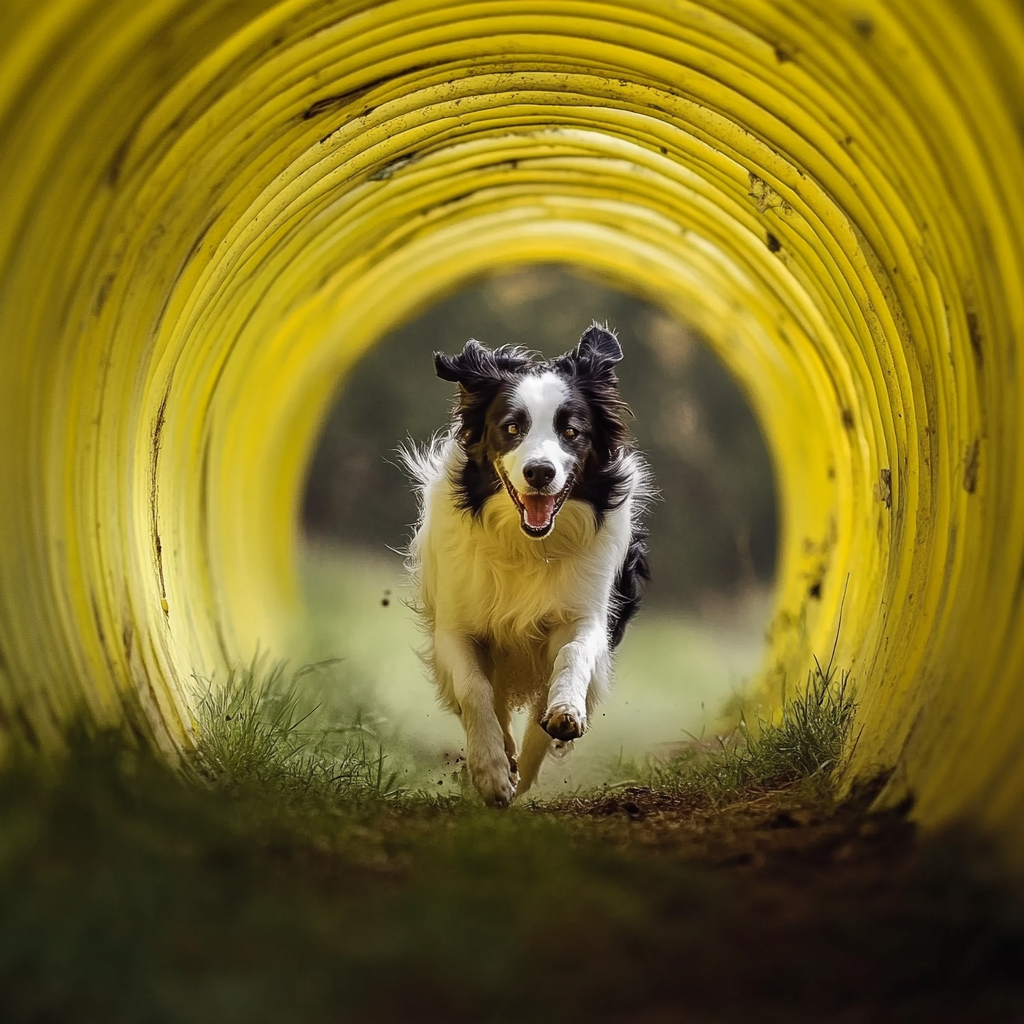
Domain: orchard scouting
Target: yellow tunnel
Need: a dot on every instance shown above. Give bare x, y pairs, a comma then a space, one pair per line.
212, 207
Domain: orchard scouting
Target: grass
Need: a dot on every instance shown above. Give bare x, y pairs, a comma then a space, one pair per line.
805, 744
285, 876
256, 733
274, 881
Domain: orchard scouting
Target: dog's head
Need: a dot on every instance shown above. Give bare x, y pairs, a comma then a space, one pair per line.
546, 431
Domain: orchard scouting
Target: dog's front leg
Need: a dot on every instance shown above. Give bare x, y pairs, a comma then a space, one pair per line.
489, 765
579, 678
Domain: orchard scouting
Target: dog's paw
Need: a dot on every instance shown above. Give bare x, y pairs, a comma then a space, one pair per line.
563, 722
494, 780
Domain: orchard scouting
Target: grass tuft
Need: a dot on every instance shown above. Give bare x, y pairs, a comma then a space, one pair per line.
806, 743
254, 733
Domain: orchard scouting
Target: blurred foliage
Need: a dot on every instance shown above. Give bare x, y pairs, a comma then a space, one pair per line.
714, 531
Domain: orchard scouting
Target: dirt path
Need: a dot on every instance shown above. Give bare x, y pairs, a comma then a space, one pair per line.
822, 912
127, 895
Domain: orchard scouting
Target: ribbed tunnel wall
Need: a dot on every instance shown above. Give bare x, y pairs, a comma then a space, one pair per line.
211, 208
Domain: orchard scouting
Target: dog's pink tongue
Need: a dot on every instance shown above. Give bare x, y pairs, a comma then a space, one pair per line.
538, 509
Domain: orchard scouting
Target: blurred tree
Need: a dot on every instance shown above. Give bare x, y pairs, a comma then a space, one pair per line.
713, 532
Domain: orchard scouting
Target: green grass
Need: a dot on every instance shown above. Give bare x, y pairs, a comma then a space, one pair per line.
281, 876
260, 733
805, 743
284, 876
257, 731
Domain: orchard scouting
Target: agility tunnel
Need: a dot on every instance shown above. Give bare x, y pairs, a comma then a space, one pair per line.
211, 209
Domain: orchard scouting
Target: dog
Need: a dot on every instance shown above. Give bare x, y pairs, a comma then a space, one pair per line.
529, 556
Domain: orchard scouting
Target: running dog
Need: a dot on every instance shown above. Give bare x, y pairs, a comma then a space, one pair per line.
528, 559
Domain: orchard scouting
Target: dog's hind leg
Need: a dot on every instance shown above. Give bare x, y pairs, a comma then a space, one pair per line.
457, 657
504, 713
537, 744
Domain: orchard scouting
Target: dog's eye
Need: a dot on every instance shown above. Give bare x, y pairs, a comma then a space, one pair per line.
513, 429
569, 434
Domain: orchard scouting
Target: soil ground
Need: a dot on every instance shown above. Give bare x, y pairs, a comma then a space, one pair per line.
128, 895
826, 912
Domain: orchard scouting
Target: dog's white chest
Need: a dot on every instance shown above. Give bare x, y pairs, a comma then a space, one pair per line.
496, 584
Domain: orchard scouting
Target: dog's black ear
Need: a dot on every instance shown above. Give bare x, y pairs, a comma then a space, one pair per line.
474, 367
598, 351
592, 365
599, 345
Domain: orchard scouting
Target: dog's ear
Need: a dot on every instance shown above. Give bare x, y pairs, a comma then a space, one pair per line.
598, 351
592, 365
474, 367
479, 372
599, 345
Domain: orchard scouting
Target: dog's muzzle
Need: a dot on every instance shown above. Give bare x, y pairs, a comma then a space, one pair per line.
537, 511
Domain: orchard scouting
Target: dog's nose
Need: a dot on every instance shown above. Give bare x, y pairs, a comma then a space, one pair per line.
539, 474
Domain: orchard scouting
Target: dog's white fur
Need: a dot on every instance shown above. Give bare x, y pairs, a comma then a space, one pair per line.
542, 394
514, 621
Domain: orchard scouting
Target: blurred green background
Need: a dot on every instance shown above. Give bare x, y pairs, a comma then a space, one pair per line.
698, 639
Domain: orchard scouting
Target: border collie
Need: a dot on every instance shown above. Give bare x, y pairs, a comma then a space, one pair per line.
528, 559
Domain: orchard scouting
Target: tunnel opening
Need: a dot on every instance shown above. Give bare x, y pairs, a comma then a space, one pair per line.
713, 530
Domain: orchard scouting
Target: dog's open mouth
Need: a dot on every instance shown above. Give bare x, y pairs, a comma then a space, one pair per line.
537, 511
